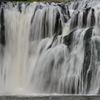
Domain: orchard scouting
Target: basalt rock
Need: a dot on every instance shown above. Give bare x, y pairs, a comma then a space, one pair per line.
2, 32
68, 38
74, 20
85, 14
58, 24
93, 18
87, 58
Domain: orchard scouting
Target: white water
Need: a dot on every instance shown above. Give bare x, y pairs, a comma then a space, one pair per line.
36, 57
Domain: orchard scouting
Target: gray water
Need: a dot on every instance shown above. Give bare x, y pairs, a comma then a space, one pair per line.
50, 48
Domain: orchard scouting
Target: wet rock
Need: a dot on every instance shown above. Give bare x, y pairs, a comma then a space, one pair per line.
20, 7
68, 38
75, 5
27, 4
93, 18
87, 59
37, 7
74, 20
2, 33
88, 34
58, 24
64, 12
85, 14
44, 26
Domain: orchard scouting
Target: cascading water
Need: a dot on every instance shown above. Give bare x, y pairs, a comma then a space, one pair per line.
50, 47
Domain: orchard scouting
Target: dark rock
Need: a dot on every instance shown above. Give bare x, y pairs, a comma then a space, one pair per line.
64, 12
27, 4
68, 38
58, 24
20, 7
87, 59
85, 14
2, 33
88, 34
97, 47
44, 26
54, 38
93, 18
74, 20
75, 5
37, 7
86, 5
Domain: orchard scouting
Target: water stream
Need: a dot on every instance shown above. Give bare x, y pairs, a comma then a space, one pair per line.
48, 48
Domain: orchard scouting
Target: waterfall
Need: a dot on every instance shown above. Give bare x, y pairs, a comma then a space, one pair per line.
48, 47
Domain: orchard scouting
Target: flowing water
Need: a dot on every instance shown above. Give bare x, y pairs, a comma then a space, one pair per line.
48, 48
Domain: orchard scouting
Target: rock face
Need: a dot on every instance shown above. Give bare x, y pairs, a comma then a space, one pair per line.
2, 30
